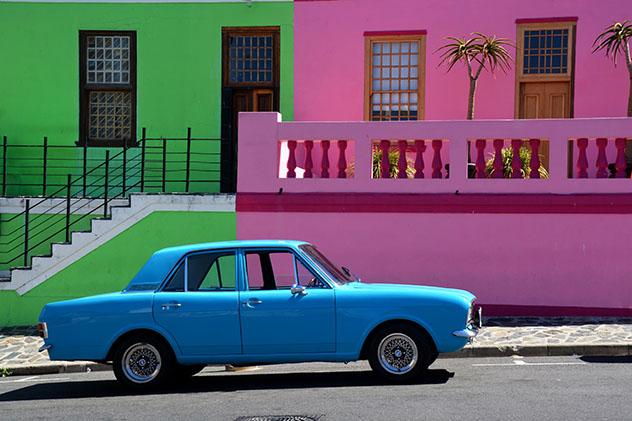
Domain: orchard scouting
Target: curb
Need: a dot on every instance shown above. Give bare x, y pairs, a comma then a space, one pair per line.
56, 368
490, 351
552, 350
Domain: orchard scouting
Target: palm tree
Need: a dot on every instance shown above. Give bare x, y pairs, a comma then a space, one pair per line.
615, 40
486, 52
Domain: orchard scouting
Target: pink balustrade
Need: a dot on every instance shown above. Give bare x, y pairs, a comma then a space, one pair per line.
488, 156
316, 159
601, 157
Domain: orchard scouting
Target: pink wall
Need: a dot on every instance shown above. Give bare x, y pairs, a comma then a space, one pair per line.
557, 260
329, 54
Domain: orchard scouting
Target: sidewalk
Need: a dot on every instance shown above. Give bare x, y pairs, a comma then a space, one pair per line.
526, 336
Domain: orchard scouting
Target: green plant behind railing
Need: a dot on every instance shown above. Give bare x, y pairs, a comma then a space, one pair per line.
525, 160
393, 159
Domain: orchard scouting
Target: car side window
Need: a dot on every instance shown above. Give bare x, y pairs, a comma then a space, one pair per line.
176, 283
211, 272
204, 272
275, 270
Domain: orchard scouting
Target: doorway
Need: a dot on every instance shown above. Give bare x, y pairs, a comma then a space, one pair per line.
250, 82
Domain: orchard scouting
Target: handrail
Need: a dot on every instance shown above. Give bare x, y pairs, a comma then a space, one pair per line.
100, 181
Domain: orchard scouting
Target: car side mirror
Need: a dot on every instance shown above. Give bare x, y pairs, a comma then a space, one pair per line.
298, 289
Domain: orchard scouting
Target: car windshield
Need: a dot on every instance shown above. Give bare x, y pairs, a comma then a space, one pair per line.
337, 273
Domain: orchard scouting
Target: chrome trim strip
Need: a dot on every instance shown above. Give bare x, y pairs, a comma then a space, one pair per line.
44, 348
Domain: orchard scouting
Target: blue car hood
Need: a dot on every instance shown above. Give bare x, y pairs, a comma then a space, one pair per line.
435, 291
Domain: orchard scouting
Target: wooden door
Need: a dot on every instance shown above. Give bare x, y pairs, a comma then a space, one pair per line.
250, 82
545, 100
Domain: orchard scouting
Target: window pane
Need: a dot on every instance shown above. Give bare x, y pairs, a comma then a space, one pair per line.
545, 51
110, 115
397, 73
254, 271
246, 53
176, 283
211, 271
110, 53
283, 268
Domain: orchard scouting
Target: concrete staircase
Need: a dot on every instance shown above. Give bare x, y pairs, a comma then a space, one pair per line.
122, 217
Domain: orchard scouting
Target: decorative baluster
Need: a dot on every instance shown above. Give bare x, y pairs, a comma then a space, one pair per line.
582, 161
324, 165
420, 148
620, 164
342, 159
436, 159
402, 164
291, 160
480, 158
516, 163
499, 166
385, 165
534, 165
309, 145
602, 161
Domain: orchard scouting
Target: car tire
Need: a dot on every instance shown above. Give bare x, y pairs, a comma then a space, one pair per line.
399, 354
143, 362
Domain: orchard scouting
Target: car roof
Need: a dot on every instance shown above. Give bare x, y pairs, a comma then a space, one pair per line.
181, 250
161, 262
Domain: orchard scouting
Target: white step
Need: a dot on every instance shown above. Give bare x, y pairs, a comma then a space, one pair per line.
103, 230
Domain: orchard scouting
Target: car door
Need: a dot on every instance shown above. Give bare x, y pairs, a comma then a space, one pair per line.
279, 319
199, 306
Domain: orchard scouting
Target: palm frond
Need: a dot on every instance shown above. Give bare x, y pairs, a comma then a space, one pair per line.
613, 40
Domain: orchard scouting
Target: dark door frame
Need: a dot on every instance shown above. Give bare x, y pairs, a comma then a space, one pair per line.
228, 165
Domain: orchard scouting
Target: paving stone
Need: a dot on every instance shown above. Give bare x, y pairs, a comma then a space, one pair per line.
527, 336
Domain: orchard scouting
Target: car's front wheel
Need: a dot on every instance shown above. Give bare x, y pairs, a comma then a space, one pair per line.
142, 362
400, 354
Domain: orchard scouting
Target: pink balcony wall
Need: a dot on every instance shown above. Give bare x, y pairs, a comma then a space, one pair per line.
329, 54
523, 246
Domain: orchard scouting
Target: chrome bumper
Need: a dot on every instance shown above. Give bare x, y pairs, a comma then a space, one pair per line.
468, 333
473, 325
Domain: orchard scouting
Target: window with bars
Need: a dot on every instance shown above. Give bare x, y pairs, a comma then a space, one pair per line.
395, 82
108, 88
545, 51
251, 57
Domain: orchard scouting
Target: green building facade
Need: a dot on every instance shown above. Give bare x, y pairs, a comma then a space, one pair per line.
78, 83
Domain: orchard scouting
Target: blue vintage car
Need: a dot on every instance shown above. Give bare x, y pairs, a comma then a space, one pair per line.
256, 302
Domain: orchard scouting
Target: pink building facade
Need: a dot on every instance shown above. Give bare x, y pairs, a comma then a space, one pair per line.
430, 201
330, 54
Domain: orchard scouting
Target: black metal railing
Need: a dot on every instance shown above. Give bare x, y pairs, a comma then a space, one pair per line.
161, 165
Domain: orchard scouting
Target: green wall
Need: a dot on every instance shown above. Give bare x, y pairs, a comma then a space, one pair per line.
111, 266
44, 230
178, 66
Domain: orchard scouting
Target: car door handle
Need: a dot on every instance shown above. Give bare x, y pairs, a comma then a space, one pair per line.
171, 305
252, 302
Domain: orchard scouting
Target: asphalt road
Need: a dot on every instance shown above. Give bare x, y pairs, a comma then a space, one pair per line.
590, 388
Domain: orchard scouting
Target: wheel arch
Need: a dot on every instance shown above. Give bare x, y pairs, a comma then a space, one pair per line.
392, 323
140, 331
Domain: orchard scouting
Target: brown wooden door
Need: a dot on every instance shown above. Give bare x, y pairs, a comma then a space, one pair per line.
250, 82
545, 100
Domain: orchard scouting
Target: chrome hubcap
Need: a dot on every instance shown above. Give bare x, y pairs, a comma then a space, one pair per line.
141, 363
397, 353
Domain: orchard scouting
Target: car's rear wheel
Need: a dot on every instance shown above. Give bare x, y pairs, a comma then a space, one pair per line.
400, 353
142, 362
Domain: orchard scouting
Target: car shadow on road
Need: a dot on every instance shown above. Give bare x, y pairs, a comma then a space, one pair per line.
605, 359
215, 383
